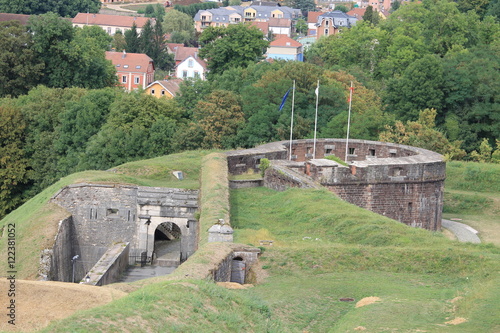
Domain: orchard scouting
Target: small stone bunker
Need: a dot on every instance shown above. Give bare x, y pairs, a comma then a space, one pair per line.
401, 182
103, 216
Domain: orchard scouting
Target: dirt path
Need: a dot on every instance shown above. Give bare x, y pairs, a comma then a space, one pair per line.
40, 302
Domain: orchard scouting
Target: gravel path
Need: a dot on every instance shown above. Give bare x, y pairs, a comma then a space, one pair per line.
463, 232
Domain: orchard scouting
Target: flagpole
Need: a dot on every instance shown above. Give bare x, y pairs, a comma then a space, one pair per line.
348, 123
291, 121
316, 121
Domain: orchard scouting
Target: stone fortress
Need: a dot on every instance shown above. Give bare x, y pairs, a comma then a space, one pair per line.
401, 182
111, 226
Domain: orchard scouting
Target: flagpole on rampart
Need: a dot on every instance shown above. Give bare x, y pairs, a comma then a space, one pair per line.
348, 122
316, 121
291, 121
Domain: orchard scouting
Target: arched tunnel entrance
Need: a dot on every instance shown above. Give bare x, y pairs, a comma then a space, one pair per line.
167, 245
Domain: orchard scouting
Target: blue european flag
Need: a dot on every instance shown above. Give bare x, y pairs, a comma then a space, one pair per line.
284, 99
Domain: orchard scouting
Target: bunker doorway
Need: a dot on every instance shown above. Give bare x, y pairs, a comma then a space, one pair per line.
238, 269
167, 245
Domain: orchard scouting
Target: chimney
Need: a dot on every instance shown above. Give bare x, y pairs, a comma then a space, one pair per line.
124, 54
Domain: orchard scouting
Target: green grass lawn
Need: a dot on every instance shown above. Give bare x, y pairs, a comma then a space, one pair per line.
472, 194
36, 222
324, 249
321, 255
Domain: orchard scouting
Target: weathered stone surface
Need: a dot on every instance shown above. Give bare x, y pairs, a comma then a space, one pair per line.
401, 182
104, 214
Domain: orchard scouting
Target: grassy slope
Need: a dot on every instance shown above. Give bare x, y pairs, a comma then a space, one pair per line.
416, 274
472, 193
359, 254
36, 222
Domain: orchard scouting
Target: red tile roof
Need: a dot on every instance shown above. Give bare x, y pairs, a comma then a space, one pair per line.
173, 47
111, 20
23, 19
280, 22
183, 52
262, 26
357, 13
312, 17
129, 62
285, 42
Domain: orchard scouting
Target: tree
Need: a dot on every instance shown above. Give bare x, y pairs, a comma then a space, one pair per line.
72, 58
219, 116
152, 43
14, 166
232, 46
301, 26
395, 6
119, 44
132, 40
20, 69
342, 8
64, 8
419, 87
98, 36
179, 25
371, 16
135, 121
304, 5
422, 133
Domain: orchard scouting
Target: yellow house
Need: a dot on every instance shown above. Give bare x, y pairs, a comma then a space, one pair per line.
164, 88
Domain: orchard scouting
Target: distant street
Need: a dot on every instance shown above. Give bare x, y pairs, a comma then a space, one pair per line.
463, 232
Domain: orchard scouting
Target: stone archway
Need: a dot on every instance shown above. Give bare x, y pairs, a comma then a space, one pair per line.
167, 245
238, 270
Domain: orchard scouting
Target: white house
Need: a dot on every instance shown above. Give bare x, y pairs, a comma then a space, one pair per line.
191, 67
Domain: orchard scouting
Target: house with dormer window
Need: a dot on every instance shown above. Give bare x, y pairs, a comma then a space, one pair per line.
224, 16
134, 70
332, 23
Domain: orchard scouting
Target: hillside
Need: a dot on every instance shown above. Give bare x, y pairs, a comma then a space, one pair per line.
390, 277
36, 221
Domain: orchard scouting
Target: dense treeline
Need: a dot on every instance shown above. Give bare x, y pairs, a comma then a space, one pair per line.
50, 51
420, 78
428, 55
64, 8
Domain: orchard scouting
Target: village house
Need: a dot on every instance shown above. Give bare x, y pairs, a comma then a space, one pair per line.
332, 23
285, 48
164, 88
134, 70
224, 16
110, 23
187, 62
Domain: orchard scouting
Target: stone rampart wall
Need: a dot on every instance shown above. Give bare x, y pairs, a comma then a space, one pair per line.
401, 182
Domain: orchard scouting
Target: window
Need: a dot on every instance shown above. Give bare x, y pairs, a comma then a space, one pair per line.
152, 91
124, 79
328, 151
184, 74
163, 92
197, 74
326, 23
190, 63
351, 151
326, 32
138, 67
372, 152
125, 66
137, 80
111, 211
109, 30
